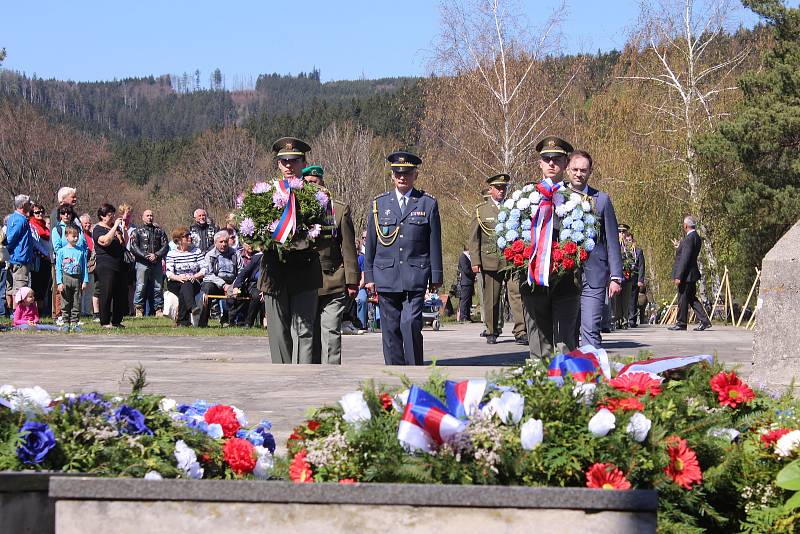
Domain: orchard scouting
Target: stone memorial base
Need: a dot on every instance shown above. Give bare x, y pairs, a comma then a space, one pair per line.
230, 507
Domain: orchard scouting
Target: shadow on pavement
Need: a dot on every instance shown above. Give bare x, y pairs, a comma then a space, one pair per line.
488, 360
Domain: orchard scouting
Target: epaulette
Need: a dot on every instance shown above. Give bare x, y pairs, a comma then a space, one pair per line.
425, 193
381, 195
480, 204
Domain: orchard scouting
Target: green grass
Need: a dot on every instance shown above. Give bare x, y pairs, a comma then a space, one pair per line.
152, 326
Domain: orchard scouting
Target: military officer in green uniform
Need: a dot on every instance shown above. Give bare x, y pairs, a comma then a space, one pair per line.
623, 299
290, 283
487, 261
551, 312
340, 276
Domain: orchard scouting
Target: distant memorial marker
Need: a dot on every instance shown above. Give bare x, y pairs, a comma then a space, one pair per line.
776, 354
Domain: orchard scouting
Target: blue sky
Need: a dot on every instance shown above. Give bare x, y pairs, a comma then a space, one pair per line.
88, 40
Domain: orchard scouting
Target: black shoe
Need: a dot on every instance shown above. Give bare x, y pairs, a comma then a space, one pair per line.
522, 340
491, 340
702, 327
676, 327
483, 334
632, 325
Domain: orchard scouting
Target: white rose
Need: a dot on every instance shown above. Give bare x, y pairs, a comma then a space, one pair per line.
575, 197
535, 197
264, 464
167, 405
787, 443
602, 423
586, 205
528, 188
562, 210
584, 392
509, 204
531, 434
153, 475
508, 407
523, 203
516, 194
639, 427
355, 408
571, 205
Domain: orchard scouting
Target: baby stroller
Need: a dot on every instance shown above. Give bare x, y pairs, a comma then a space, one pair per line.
430, 310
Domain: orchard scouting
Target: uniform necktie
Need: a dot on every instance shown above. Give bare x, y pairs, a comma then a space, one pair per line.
403, 204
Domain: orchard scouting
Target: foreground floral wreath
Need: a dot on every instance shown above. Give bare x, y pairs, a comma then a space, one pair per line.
684, 434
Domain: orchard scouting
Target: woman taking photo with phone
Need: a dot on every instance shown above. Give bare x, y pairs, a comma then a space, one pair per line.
111, 241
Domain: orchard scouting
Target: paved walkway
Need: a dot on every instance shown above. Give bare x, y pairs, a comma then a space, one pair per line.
238, 370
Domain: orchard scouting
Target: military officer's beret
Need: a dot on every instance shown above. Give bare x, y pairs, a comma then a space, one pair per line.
499, 179
624, 228
403, 161
313, 170
553, 145
290, 148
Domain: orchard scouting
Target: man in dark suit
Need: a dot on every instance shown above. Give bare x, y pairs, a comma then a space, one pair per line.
403, 257
602, 272
637, 282
685, 274
466, 286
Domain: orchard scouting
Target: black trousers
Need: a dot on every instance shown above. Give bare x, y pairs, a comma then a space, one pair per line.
186, 293
255, 308
465, 301
113, 294
633, 306
687, 296
401, 327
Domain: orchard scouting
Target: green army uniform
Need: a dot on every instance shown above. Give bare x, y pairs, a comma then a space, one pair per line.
484, 253
551, 312
339, 264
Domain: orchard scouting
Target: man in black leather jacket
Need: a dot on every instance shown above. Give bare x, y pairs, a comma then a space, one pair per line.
149, 246
202, 231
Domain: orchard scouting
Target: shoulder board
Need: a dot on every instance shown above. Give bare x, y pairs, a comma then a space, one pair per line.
381, 195
425, 193
480, 205
339, 203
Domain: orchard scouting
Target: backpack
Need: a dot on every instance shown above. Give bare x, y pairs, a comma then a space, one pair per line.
4, 256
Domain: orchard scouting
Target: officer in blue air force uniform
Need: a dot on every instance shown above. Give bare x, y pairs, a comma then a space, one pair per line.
403, 257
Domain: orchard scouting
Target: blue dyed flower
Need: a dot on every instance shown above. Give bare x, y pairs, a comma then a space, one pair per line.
501, 243
577, 225
526, 224
511, 235
260, 436
589, 219
214, 430
577, 237
512, 224
502, 216
589, 245
247, 226
590, 232
131, 421
564, 234
514, 215
93, 398
500, 228
37, 441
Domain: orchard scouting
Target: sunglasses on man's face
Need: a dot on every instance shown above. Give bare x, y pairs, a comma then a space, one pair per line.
38, 212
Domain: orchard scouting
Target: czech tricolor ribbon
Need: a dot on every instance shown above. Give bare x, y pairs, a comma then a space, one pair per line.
427, 423
656, 366
584, 364
542, 234
288, 221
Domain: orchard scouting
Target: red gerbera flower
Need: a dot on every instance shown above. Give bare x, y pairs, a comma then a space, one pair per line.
313, 425
518, 246
570, 247
584, 255
225, 417
771, 437
625, 404
636, 383
300, 469
386, 401
730, 389
683, 468
240, 455
607, 477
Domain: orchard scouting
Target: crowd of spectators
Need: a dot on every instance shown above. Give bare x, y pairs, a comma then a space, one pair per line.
71, 267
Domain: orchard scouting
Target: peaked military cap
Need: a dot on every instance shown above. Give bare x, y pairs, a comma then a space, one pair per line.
290, 148
624, 228
553, 145
403, 161
313, 170
499, 179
